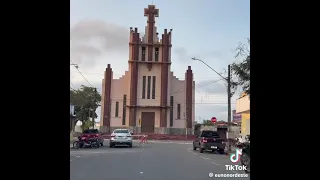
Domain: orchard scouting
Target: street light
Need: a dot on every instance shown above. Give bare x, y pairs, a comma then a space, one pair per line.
229, 94
195, 59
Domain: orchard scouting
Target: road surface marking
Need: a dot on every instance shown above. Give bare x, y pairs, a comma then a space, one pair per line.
206, 158
88, 152
203, 157
216, 163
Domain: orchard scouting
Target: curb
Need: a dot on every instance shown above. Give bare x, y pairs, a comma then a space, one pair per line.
154, 141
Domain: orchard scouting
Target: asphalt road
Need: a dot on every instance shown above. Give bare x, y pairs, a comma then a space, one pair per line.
153, 161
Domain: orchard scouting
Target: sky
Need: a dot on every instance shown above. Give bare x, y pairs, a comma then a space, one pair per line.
209, 30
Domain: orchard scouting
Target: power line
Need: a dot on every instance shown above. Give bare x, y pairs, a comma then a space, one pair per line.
72, 86
199, 86
81, 74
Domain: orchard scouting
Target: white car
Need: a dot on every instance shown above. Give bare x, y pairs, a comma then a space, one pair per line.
121, 137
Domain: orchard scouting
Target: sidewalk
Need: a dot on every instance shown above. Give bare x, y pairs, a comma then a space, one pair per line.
154, 141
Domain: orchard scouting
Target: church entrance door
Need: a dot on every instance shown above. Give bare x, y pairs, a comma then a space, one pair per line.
147, 122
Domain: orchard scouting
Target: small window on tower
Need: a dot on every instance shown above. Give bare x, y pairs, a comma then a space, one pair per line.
157, 54
143, 53
178, 111
143, 50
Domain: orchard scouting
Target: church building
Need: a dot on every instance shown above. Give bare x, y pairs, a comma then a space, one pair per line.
148, 98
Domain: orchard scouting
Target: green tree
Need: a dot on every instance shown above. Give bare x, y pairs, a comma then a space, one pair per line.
86, 100
241, 70
86, 125
207, 123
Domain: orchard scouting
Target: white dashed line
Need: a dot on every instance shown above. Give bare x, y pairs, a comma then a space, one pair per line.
206, 158
203, 157
77, 153
216, 163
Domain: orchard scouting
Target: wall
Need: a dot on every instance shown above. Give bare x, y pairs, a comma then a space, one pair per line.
177, 89
245, 123
243, 107
119, 87
144, 71
243, 104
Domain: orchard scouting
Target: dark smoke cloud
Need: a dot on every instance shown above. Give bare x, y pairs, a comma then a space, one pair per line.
91, 39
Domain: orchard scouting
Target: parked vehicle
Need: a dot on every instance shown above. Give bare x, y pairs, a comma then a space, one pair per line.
88, 142
121, 137
245, 157
209, 140
88, 137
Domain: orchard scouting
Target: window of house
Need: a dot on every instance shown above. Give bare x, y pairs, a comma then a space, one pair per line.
117, 109
144, 87
171, 110
157, 55
178, 111
149, 87
124, 112
143, 57
153, 87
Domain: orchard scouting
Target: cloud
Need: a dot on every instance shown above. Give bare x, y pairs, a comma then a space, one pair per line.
182, 55
93, 45
91, 39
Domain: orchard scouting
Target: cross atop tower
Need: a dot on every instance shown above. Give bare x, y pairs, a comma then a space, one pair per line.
151, 12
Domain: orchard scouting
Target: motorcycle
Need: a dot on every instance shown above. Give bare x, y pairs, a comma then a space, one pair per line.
86, 142
245, 157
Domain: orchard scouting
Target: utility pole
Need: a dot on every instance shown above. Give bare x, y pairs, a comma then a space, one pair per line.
228, 79
88, 117
229, 105
93, 109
